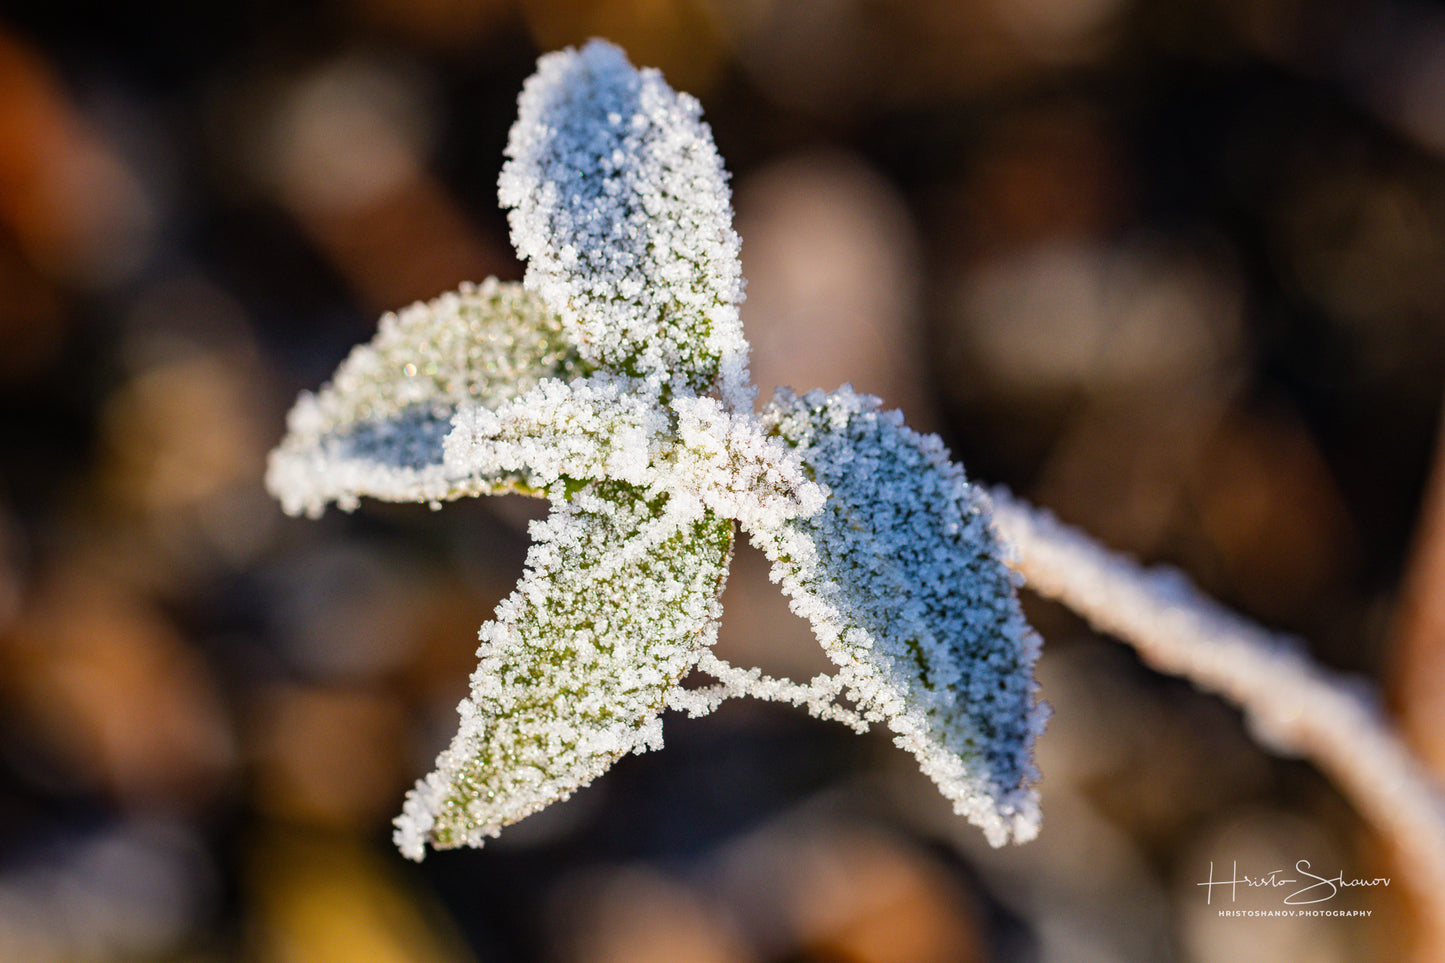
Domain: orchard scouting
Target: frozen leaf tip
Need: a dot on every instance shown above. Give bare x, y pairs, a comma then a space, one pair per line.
620, 205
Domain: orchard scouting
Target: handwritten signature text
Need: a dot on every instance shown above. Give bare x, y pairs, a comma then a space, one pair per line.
1318, 888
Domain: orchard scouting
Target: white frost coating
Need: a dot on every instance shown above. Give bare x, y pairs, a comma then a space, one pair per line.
696, 451
620, 205
577, 666
377, 428
591, 428
819, 696
1292, 705
594, 388
728, 462
901, 579
588, 388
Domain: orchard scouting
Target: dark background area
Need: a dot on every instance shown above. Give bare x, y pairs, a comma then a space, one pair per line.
1173, 270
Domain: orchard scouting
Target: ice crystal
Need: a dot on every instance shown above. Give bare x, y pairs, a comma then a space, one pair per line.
589, 428
613, 382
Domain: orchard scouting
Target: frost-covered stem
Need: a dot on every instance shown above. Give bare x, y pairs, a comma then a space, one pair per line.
1293, 705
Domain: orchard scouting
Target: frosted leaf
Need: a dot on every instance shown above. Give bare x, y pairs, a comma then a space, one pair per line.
593, 428
620, 205
614, 382
694, 450
616, 605
901, 578
726, 461
377, 429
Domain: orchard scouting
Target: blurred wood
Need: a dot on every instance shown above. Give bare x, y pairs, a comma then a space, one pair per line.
1417, 682
1419, 636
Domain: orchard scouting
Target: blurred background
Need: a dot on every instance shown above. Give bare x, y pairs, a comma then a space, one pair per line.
1173, 269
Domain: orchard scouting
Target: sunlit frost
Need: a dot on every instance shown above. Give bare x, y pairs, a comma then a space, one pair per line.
614, 383
620, 205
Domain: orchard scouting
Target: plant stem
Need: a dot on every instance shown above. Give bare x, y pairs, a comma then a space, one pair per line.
1293, 705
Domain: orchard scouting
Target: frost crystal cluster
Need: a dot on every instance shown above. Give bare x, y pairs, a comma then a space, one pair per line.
613, 382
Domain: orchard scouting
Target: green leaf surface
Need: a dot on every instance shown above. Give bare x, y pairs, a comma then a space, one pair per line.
901, 577
619, 600
378, 428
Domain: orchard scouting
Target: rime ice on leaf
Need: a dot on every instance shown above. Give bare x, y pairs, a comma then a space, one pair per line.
694, 450
620, 205
901, 578
617, 604
726, 461
616, 386
377, 429
590, 428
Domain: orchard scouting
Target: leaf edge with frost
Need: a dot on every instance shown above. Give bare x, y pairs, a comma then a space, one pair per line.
902, 578
555, 699
619, 203
377, 428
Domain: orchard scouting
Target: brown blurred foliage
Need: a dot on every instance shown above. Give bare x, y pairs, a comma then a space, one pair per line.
1172, 270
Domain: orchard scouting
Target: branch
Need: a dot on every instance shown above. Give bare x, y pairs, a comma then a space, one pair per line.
1293, 705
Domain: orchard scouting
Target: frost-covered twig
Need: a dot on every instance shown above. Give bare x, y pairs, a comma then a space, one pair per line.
1292, 704
614, 383
819, 695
